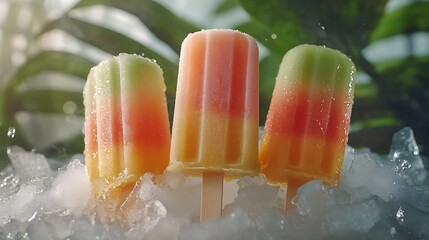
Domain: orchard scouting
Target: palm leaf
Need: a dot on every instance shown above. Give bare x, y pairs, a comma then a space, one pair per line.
166, 26
114, 43
64, 62
47, 101
346, 26
225, 6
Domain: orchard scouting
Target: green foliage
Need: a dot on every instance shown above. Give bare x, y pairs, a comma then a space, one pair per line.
114, 43
169, 28
344, 25
396, 94
49, 61
225, 6
405, 20
46, 101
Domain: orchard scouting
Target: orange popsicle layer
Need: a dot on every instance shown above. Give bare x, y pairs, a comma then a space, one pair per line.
127, 128
215, 125
307, 124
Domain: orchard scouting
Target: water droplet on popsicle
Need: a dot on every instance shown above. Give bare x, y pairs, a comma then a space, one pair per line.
11, 132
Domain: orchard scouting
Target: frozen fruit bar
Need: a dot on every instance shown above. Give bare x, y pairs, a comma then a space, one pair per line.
215, 125
126, 121
307, 123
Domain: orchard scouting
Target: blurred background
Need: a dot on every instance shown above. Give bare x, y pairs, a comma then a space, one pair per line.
48, 46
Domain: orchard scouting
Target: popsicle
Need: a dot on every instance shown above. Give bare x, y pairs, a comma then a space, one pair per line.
306, 130
215, 125
127, 131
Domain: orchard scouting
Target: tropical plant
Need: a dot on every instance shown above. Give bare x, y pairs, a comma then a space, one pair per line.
394, 94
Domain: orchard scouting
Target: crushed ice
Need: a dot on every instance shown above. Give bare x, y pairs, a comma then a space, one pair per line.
379, 197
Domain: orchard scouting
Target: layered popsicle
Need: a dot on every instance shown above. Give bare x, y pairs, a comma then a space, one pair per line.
306, 130
126, 122
215, 126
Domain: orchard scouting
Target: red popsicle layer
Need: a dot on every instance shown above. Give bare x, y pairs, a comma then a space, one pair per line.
127, 129
307, 124
215, 124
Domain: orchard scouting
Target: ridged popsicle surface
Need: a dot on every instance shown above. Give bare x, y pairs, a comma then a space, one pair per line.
307, 124
215, 125
126, 121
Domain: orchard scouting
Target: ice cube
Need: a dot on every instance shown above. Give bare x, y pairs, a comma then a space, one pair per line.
170, 190
254, 195
272, 224
387, 230
416, 196
150, 215
59, 225
9, 184
252, 215
372, 201
13, 229
187, 194
351, 153
39, 230
167, 228
20, 204
85, 228
312, 198
28, 165
367, 177
357, 217
71, 189
238, 224
415, 221
235, 225
257, 198
88, 227
404, 156
403, 142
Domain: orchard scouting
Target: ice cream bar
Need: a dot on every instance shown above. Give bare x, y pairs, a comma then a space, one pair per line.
307, 124
126, 121
215, 125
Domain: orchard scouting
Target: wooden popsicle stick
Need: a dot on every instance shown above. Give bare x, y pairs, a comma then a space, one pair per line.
211, 195
292, 188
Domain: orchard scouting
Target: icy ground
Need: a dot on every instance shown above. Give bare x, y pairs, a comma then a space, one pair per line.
379, 197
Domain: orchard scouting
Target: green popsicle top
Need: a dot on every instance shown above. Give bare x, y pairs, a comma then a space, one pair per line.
305, 63
137, 70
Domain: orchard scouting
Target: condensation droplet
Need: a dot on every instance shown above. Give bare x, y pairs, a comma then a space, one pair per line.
400, 215
405, 165
11, 132
273, 36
